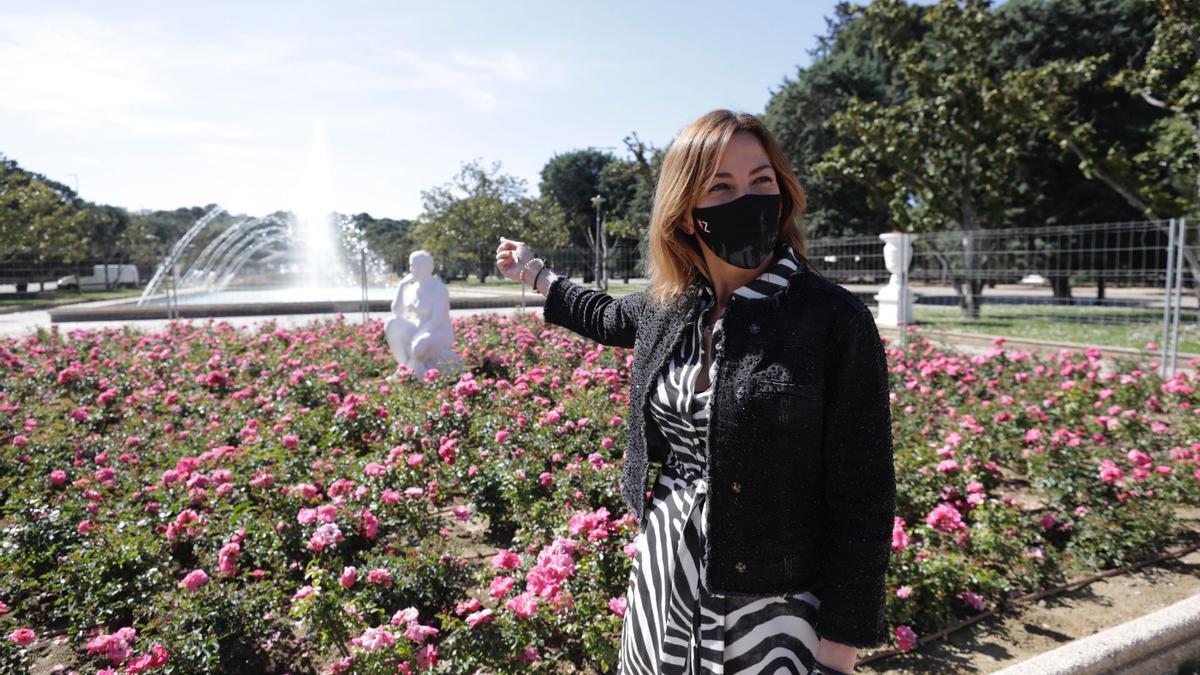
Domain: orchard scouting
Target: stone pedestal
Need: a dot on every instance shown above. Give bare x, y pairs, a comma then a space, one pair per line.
896, 299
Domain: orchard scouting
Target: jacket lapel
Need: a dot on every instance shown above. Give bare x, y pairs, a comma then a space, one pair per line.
674, 320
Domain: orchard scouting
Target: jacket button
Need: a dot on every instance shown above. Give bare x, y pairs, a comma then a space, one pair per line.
736, 487
754, 328
740, 567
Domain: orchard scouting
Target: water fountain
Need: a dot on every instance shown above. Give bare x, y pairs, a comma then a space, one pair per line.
279, 258
307, 260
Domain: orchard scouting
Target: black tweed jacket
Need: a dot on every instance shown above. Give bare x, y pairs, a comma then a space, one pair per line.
802, 487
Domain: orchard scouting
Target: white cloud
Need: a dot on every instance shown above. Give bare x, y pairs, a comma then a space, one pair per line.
475, 79
70, 66
76, 74
79, 73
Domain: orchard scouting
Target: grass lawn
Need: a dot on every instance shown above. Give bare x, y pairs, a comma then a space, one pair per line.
1113, 326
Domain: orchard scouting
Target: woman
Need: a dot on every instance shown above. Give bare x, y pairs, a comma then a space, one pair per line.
765, 540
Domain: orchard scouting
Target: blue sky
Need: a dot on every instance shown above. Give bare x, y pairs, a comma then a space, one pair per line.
160, 105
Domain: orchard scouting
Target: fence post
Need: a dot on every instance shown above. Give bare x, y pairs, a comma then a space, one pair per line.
1166, 331
905, 307
521, 309
366, 307
1181, 243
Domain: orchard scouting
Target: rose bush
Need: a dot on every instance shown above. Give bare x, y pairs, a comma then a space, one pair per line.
204, 499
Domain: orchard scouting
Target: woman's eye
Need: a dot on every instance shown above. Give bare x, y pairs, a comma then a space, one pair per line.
767, 178
716, 186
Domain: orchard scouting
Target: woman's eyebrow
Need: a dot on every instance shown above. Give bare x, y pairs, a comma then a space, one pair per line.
724, 174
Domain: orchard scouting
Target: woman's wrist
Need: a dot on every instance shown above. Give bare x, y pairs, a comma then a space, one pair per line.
529, 270
546, 282
835, 657
540, 277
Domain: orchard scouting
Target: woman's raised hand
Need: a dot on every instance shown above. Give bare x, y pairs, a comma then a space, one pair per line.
511, 256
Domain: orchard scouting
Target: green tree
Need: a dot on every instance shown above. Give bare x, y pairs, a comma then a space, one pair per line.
41, 221
844, 65
629, 186
1151, 161
462, 221
390, 239
571, 179
945, 155
1168, 80
1080, 44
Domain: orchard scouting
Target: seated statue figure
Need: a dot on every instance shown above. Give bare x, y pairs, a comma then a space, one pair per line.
419, 332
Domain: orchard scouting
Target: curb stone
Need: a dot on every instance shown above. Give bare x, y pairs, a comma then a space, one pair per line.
1156, 643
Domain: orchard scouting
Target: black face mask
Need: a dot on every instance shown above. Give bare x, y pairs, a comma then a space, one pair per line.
742, 232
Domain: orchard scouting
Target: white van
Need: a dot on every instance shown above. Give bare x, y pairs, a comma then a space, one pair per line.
115, 276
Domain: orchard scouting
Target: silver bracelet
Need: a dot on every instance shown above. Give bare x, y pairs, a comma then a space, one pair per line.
525, 267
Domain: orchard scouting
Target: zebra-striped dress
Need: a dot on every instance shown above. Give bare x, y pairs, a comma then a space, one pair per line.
672, 624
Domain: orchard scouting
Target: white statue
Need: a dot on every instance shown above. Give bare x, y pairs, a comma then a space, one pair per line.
897, 256
419, 331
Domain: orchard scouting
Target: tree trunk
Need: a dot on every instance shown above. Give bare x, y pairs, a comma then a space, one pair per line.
1061, 284
1136, 202
972, 298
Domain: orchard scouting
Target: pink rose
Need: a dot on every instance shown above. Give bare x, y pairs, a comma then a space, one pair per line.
306, 516
945, 518
325, 535
506, 560
418, 633
466, 606
327, 513
155, 659
227, 558
405, 616
23, 636
376, 638
194, 580
380, 577
461, 513
1110, 472
1140, 458
482, 616
618, 605
501, 586
899, 536
523, 606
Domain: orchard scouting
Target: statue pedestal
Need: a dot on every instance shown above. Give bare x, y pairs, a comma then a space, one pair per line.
896, 299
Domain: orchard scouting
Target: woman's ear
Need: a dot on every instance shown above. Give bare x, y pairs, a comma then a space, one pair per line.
685, 224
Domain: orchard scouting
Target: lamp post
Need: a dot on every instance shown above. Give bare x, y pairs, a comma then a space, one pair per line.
598, 202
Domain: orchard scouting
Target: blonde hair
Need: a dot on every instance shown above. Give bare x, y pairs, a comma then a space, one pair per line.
690, 162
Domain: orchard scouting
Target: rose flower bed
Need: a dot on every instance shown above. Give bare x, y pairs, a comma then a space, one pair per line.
204, 499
